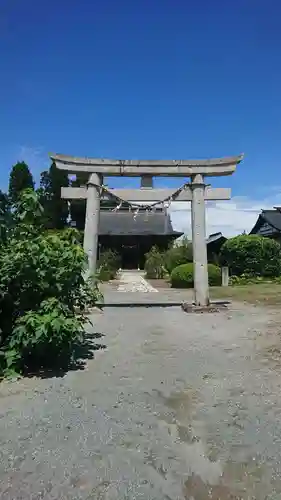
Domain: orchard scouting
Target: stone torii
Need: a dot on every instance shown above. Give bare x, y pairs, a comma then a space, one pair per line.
94, 169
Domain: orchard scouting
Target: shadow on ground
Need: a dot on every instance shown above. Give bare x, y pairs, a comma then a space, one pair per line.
82, 353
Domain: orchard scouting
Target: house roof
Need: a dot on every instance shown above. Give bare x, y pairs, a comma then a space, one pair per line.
123, 223
272, 217
215, 237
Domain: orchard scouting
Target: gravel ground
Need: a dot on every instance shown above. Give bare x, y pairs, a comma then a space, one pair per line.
178, 406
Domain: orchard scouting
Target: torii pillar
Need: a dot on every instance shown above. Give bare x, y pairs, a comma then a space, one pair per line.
199, 246
197, 193
91, 231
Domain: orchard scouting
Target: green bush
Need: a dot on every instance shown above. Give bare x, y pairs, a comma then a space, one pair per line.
70, 234
214, 275
42, 285
178, 254
44, 337
108, 265
252, 255
154, 264
182, 276
249, 279
106, 274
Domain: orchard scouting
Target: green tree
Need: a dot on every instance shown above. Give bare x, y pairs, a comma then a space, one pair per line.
43, 292
5, 216
55, 208
252, 254
20, 179
108, 264
179, 253
155, 263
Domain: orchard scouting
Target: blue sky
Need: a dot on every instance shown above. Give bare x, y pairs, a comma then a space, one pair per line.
140, 79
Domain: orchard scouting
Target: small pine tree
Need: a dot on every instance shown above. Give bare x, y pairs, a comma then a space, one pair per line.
55, 208
20, 179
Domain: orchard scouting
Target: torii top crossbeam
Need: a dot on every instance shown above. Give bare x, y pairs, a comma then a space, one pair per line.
137, 168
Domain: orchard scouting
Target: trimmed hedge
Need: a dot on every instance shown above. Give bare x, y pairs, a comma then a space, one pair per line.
182, 276
252, 255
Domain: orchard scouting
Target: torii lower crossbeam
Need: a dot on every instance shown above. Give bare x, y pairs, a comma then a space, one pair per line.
147, 195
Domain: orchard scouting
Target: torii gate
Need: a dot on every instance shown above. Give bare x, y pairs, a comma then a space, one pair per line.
94, 169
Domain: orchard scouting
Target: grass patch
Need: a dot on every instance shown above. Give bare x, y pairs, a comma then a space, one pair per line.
262, 293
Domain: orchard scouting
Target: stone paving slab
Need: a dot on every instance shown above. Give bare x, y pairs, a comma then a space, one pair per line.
133, 281
135, 290
164, 296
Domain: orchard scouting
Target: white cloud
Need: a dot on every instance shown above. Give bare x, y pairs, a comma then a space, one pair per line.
229, 217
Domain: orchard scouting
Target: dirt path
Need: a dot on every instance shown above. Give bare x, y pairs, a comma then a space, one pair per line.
176, 407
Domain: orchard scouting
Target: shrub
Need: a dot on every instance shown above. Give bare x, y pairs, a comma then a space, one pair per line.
106, 274
178, 254
214, 275
154, 264
249, 279
41, 286
70, 234
252, 255
43, 335
182, 276
108, 264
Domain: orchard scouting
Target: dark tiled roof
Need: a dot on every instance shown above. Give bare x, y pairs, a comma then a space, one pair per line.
215, 237
117, 223
272, 217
